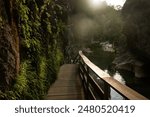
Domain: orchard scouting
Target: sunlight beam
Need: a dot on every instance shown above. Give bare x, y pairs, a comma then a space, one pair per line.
96, 2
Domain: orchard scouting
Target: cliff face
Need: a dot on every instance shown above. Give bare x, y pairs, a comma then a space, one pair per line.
9, 45
32, 46
137, 27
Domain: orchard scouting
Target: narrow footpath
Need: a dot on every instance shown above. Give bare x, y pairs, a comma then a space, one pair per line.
67, 86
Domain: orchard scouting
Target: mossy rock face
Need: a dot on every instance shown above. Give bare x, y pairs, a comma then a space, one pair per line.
41, 30
7, 49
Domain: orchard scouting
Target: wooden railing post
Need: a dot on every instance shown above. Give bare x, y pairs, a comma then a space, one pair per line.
106, 91
83, 79
87, 74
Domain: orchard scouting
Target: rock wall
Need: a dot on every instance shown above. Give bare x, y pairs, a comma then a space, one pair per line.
9, 45
32, 46
134, 53
136, 14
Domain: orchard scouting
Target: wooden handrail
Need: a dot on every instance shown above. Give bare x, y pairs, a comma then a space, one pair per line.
94, 90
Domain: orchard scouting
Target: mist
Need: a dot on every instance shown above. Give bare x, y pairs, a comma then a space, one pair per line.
98, 24
83, 26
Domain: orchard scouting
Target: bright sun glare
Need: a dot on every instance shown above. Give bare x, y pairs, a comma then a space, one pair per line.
96, 3
115, 2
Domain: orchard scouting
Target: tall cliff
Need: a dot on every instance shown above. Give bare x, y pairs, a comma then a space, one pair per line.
9, 44
32, 46
137, 27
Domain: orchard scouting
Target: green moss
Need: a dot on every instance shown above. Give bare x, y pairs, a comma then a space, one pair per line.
58, 59
41, 43
21, 82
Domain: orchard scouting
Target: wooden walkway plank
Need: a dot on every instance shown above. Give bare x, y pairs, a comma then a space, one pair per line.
67, 86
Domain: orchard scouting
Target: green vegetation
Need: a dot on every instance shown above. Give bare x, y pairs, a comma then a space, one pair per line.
109, 25
41, 28
136, 15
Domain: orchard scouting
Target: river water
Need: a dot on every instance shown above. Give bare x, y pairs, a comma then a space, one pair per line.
103, 55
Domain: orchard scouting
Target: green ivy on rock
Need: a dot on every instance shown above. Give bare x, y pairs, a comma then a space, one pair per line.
41, 29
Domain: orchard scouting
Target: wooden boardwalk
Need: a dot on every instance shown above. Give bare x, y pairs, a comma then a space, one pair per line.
67, 86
